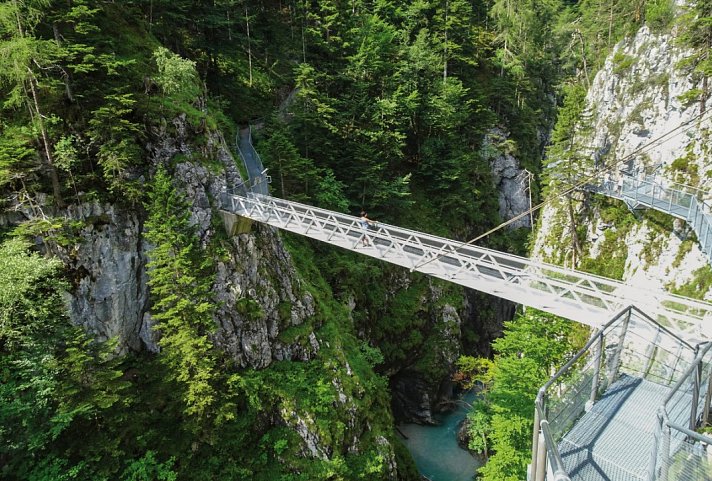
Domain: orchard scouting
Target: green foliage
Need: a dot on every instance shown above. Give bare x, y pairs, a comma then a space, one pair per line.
382, 106
56, 381
16, 153
115, 134
695, 32
533, 345
659, 14
698, 286
176, 75
149, 469
685, 248
250, 308
180, 285
622, 62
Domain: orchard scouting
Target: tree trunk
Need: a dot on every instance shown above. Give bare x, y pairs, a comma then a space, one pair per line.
65, 74
249, 46
56, 189
447, 5
574, 233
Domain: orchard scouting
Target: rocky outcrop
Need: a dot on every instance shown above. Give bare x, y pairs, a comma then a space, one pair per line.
636, 98
423, 387
107, 261
256, 285
510, 179
485, 316
411, 399
636, 123
260, 300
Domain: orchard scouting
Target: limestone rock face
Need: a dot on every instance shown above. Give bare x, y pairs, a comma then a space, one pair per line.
261, 302
509, 178
259, 298
416, 394
634, 100
256, 286
411, 399
108, 262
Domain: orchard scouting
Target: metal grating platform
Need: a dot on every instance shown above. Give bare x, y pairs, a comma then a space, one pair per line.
613, 441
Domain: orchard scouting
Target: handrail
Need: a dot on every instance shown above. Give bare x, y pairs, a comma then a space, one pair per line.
569, 405
688, 372
557, 464
583, 350
660, 454
679, 200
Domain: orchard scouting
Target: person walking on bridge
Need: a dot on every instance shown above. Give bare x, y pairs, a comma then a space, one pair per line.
365, 223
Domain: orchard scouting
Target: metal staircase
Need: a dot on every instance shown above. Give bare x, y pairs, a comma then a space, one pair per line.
687, 203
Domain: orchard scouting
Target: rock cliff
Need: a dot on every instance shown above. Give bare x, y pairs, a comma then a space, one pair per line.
637, 123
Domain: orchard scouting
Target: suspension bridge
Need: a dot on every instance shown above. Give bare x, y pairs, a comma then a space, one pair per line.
626, 407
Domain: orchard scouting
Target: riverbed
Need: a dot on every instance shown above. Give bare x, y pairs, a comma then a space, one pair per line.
435, 448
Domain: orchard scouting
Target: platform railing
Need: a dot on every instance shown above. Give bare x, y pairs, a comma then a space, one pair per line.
680, 453
630, 343
258, 178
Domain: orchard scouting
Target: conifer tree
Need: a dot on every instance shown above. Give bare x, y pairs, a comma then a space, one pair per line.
182, 305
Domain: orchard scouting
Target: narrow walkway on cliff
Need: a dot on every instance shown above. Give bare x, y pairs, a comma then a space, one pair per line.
692, 205
626, 408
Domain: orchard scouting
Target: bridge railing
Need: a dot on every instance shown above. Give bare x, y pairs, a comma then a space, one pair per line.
524, 280
631, 343
680, 453
258, 178
679, 200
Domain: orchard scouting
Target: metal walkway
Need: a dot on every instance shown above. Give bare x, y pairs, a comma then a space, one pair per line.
613, 441
578, 296
683, 202
626, 407
253, 163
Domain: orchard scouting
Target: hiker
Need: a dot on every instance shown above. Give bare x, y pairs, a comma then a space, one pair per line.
365, 223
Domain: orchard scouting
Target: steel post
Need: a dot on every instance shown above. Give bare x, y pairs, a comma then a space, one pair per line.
615, 363
596, 367
708, 399
696, 381
653, 463
540, 473
535, 441
665, 452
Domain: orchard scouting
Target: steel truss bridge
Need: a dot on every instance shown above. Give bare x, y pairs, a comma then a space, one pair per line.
581, 297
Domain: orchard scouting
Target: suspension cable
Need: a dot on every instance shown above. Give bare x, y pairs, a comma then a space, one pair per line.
653, 143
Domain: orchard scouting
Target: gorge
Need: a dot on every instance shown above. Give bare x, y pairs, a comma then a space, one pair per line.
141, 340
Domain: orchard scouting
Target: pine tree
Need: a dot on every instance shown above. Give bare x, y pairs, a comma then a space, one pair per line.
182, 305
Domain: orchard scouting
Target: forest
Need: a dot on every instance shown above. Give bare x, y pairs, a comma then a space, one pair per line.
381, 105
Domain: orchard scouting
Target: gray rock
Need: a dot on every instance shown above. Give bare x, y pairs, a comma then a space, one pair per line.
508, 177
108, 265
